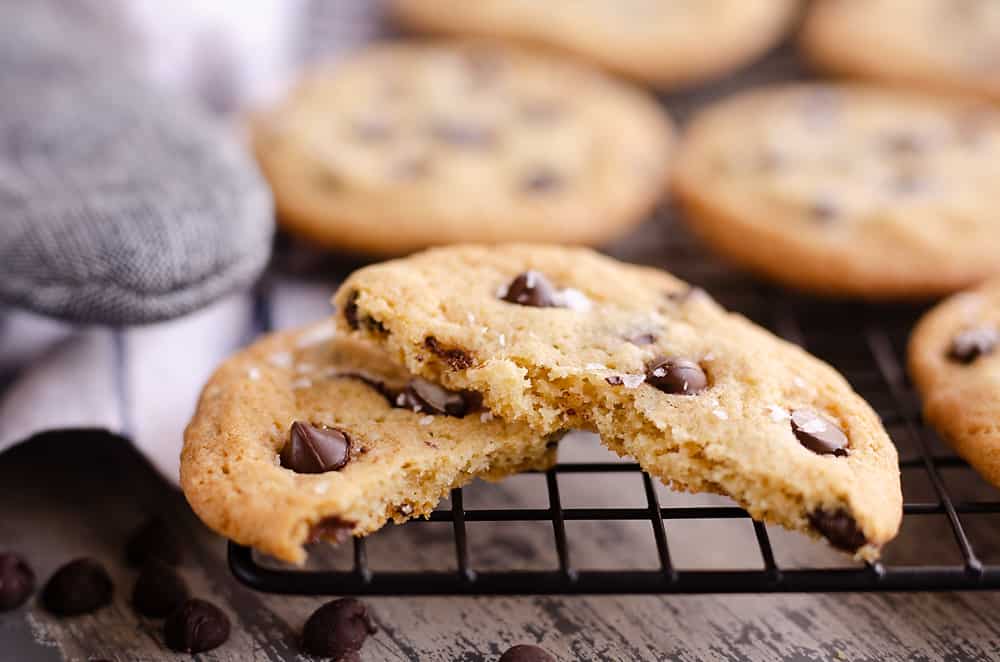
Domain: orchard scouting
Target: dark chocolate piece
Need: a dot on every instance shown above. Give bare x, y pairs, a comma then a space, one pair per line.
153, 540
457, 359
159, 590
818, 433
972, 343
839, 528
196, 626
338, 629
331, 529
17, 581
79, 587
313, 449
526, 653
531, 288
677, 376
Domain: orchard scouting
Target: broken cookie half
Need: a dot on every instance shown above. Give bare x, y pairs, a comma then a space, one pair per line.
306, 436
562, 338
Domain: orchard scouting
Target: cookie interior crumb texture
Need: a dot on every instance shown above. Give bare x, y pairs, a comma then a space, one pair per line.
954, 359
716, 416
411, 144
667, 43
847, 190
400, 465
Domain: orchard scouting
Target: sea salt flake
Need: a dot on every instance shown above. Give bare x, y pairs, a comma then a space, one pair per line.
486, 416
596, 366
471, 318
502, 340
280, 359
633, 381
709, 357
305, 367
573, 299
321, 488
406, 509
798, 381
426, 420
302, 383
778, 414
721, 414
317, 334
253, 373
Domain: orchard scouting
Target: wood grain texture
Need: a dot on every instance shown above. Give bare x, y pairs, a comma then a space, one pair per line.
96, 489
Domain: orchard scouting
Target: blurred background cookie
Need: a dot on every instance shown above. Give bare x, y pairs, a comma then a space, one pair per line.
665, 43
950, 45
409, 145
841, 190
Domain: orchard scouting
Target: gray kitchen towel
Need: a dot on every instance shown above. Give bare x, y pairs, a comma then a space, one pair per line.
121, 204
225, 55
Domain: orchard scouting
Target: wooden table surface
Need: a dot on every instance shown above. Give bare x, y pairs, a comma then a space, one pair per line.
74, 494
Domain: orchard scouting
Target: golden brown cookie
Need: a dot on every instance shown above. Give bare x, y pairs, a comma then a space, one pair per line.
933, 45
412, 144
305, 436
663, 42
563, 338
847, 190
954, 359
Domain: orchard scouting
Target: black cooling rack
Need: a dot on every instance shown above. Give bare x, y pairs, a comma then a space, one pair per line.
866, 342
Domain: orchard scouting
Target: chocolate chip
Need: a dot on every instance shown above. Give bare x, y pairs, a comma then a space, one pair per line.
338, 629
331, 529
818, 433
677, 376
315, 449
196, 626
159, 590
351, 310
839, 528
614, 380
542, 180
457, 359
462, 134
642, 339
531, 289
526, 653
427, 397
972, 343
153, 540
79, 587
17, 581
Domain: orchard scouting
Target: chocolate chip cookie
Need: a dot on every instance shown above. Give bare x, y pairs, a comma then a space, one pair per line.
954, 359
936, 45
306, 436
564, 338
410, 144
847, 190
663, 42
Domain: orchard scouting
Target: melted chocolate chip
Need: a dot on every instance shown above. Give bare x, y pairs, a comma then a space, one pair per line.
642, 339
614, 380
531, 289
79, 587
463, 134
818, 433
338, 629
972, 343
677, 376
457, 359
159, 590
839, 528
331, 529
196, 626
526, 653
153, 540
17, 581
314, 450
542, 180
351, 310
429, 398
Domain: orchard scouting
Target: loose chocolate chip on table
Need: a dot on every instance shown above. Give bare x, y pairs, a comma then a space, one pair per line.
196, 626
526, 653
531, 289
159, 590
429, 398
542, 180
677, 376
312, 449
462, 134
331, 529
153, 539
972, 343
338, 629
79, 587
839, 528
17, 581
818, 433
457, 359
